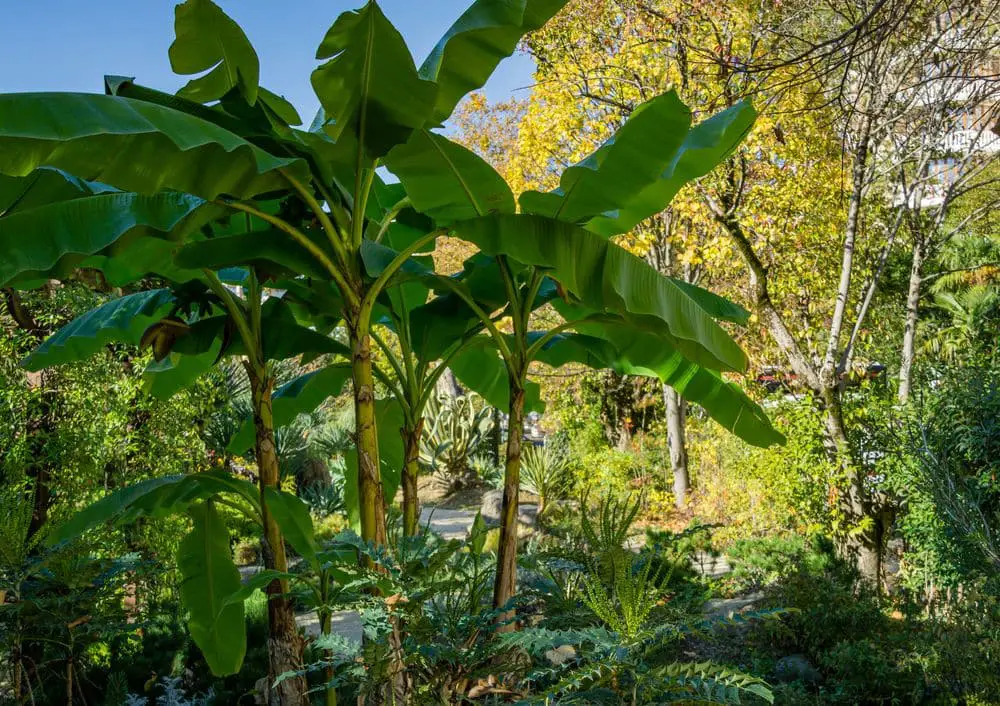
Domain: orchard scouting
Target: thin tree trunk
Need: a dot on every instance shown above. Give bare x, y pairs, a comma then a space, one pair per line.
676, 415
829, 371
863, 547
284, 646
411, 468
370, 494
506, 578
910, 328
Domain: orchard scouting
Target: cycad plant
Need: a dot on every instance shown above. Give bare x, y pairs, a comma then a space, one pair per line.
622, 654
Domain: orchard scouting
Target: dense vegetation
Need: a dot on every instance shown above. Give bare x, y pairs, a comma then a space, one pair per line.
673, 380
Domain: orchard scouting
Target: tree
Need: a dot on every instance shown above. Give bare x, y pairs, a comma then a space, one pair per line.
793, 58
557, 251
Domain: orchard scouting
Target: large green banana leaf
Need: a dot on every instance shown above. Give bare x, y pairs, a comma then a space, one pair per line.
613, 344
50, 239
609, 178
292, 516
271, 250
44, 186
121, 320
706, 145
164, 379
369, 87
636, 173
115, 141
208, 577
446, 181
468, 53
155, 497
607, 278
480, 368
141, 257
206, 38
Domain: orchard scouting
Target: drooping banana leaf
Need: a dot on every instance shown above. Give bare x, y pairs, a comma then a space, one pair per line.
468, 53
292, 515
631, 159
272, 250
121, 320
208, 577
369, 88
706, 145
613, 344
155, 497
607, 278
141, 257
114, 140
44, 186
50, 239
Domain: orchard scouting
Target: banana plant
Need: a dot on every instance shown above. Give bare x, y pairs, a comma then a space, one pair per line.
151, 183
555, 248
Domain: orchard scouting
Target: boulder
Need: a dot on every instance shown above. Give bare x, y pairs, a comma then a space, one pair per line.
491, 507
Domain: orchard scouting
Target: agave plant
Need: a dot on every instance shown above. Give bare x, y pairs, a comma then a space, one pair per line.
454, 429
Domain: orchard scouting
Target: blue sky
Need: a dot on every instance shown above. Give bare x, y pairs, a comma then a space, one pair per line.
69, 45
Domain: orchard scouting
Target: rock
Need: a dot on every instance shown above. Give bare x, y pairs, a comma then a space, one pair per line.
527, 515
561, 655
796, 668
491, 507
719, 608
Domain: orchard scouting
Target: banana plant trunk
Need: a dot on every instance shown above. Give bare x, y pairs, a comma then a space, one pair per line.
411, 468
284, 646
506, 578
370, 497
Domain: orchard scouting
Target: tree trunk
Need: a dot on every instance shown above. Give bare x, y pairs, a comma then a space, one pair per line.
506, 578
863, 547
370, 495
411, 468
284, 646
910, 328
448, 385
676, 415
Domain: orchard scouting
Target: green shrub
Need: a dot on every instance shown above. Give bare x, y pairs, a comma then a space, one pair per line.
752, 492
758, 562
